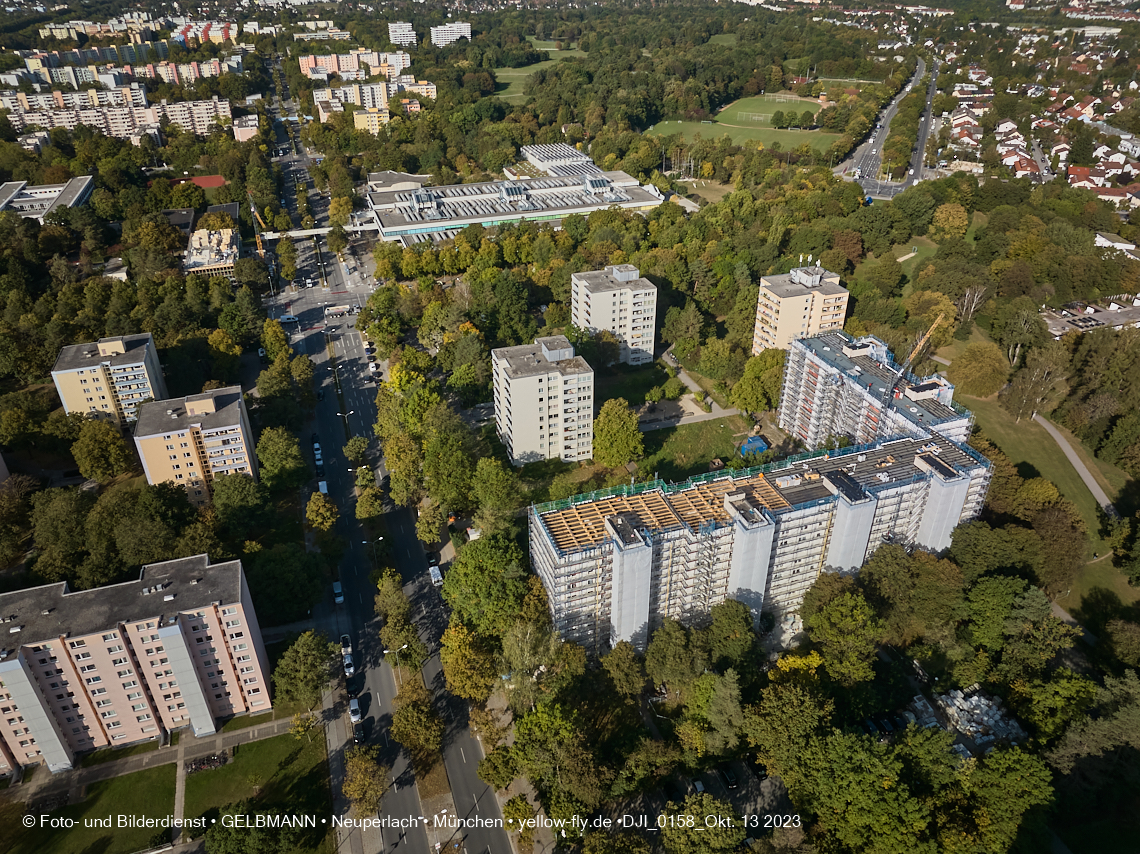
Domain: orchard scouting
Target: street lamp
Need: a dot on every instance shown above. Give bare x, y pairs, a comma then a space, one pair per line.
373, 544
398, 667
345, 415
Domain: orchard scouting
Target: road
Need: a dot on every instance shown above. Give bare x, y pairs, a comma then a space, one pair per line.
353, 412
866, 160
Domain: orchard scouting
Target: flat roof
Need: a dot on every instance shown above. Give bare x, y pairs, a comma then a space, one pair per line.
166, 416
791, 285
52, 611
526, 360
75, 356
603, 280
864, 370
577, 523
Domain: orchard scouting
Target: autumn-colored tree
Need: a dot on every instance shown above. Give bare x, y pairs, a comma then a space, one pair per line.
950, 220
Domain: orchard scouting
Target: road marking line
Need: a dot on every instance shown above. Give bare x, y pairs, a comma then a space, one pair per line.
464, 755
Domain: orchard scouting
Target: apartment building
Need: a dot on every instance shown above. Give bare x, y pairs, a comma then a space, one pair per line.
799, 304
371, 119
350, 66
450, 33
214, 253
127, 122
192, 440
617, 562
110, 378
370, 96
401, 33
617, 299
126, 96
38, 201
544, 401
179, 647
245, 128
836, 385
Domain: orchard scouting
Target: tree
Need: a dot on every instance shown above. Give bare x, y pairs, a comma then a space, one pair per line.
416, 724
729, 636
625, 670
790, 715
1044, 370
340, 209
468, 668
847, 632
251, 273
274, 340
518, 811
551, 751
404, 458
1124, 640
365, 779
369, 503
980, 371
670, 659
225, 354
779, 120
688, 832
807, 119
617, 440
240, 503
285, 582
950, 220
485, 585
429, 523
321, 513
305, 669
392, 605
287, 258
497, 494
100, 452
1064, 545
760, 387
337, 239
356, 450
282, 466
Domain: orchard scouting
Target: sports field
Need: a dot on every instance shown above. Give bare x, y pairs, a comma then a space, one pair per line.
788, 139
758, 109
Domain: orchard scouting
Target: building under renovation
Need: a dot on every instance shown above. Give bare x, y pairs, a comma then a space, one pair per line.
616, 562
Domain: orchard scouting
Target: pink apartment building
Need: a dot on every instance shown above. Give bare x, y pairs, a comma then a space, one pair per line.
179, 647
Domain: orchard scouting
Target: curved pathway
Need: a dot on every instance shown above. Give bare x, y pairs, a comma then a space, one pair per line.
1079, 464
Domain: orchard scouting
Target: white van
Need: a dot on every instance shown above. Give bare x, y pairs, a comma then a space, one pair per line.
287, 318
436, 576
323, 486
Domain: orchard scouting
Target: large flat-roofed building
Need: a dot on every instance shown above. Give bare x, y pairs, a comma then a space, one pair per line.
192, 440
212, 253
616, 563
799, 304
109, 378
450, 33
836, 385
544, 401
559, 159
37, 202
79, 670
620, 300
401, 33
439, 213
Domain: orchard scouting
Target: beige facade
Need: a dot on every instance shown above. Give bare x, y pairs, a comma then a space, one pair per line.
370, 120
109, 378
799, 304
179, 647
192, 440
619, 300
544, 401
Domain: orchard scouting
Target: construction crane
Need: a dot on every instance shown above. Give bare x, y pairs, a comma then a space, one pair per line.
257, 229
890, 390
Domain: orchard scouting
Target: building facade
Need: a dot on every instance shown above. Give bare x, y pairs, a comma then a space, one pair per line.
617, 562
619, 300
350, 66
126, 96
37, 202
130, 122
401, 33
179, 647
450, 33
192, 440
109, 378
799, 304
836, 385
544, 401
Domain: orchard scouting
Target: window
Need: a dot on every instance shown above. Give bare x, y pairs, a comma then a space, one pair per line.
141, 718
77, 644
109, 714
115, 725
83, 656
91, 680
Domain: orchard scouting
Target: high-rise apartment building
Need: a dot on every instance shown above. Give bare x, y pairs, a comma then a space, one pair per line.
617, 299
179, 647
450, 33
836, 385
616, 563
110, 378
544, 401
799, 304
401, 33
192, 440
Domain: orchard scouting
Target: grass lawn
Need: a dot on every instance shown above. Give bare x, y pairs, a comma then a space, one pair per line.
954, 349
978, 221
788, 139
146, 793
1100, 575
724, 38
745, 110
632, 384
110, 754
711, 191
568, 48
925, 247
678, 453
512, 81
283, 773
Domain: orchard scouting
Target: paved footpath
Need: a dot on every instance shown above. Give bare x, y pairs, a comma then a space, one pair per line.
1079, 464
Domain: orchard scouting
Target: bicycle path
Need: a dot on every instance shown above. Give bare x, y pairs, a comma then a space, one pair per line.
1098, 493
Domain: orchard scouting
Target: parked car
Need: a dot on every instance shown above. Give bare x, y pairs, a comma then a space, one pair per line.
349, 667
358, 733
728, 775
338, 593
354, 710
433, 558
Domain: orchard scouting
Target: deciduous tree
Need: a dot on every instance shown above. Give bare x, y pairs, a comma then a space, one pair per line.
467, 666
617, 439
305, 669
321, 513
980, 371
100, 451
365, 779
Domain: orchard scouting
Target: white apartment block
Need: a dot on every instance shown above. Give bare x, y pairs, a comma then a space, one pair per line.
835, 385
401, 33
109, 378
450, 33
544, 401
620, 300
799, 304
617, 562
350, 66
179, 647
126, 96
199, 117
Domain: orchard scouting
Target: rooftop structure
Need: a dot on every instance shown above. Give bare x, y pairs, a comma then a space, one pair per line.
37, 202
109, 378
798, 304
617, 299
544, 397
179, 647
617, 562
212, 253
559, 160
438, 213
836, 385
450, 33
245, 128
192, 440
